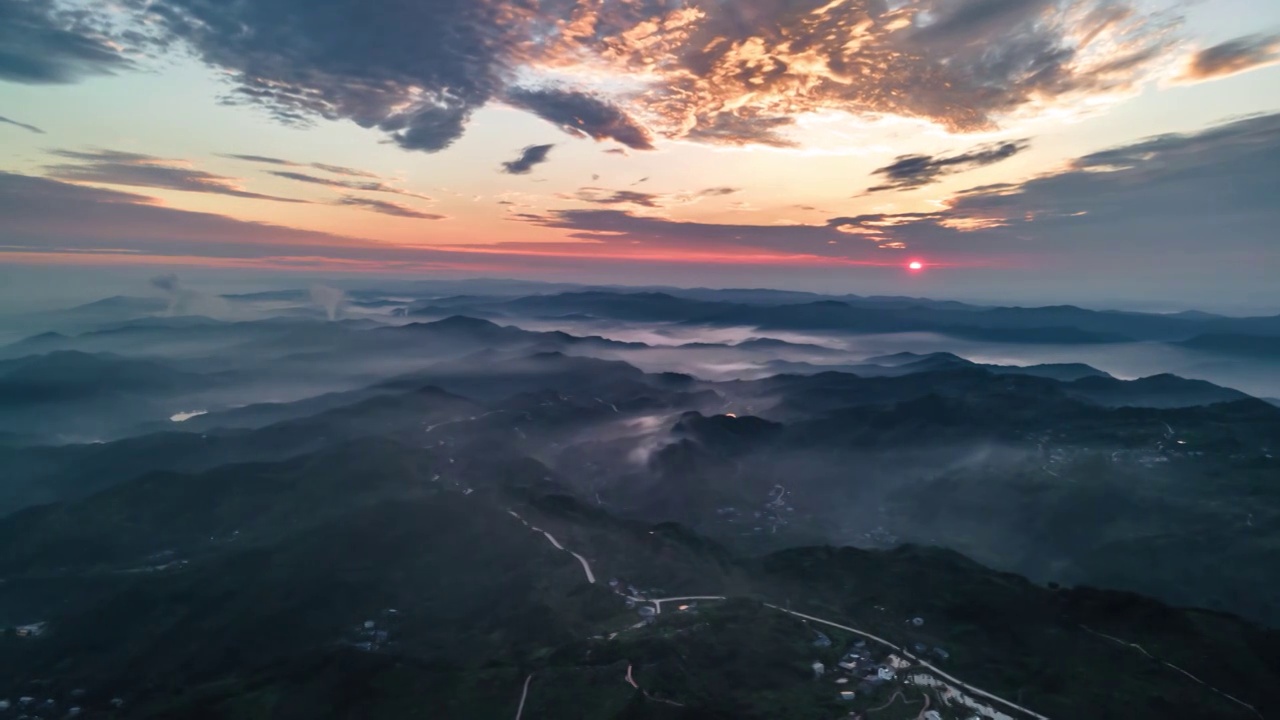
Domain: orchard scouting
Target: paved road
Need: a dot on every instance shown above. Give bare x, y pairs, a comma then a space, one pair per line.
586, 566
524, 694
1143, 650
657, 604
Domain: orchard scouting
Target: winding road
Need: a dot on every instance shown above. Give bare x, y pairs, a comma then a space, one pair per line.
1143, 650
586, 566
657, 604
523, 696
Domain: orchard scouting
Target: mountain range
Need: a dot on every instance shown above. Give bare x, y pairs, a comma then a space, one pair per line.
658, 505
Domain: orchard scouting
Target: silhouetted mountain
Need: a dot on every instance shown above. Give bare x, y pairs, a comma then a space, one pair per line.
1267, 347
1155, 391
376, 520
255, 589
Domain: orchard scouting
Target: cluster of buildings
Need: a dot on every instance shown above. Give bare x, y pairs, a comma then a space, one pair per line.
771, 515
373, 635
952, 696
859, 670
864, 668
28, 707
32, 630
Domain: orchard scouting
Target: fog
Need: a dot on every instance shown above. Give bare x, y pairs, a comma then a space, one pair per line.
735, 430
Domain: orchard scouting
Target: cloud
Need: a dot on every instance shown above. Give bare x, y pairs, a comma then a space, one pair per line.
531, 156
414, 70
340, 170
262, 159
1197, 198
620, 227
48, 221
364, 185
112, 167
583, 115
387, 208
912, 171
1198, 206
742, 72
602, 196
705, 71
1173, 211
335, 169
41, 43
1233, 57
32, 128
46, 218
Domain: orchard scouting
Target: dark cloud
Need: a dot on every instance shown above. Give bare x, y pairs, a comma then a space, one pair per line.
583, 115
42, 44
387, 208
32, 128
600, 196
1201, 197
364, 185
1233, 56
415, 70
743, 127
714, 71
112, 167
529, 157
913, 171
953, 24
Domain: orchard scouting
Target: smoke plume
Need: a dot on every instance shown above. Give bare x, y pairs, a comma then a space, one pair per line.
330, 299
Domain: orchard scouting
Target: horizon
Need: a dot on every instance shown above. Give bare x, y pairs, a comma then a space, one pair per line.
16, 299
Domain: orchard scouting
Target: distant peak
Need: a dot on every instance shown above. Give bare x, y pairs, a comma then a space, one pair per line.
462, 321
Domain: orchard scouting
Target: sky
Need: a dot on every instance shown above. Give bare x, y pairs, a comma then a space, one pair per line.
1103, 152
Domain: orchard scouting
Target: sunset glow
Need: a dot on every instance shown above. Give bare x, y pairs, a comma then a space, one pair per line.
698, 140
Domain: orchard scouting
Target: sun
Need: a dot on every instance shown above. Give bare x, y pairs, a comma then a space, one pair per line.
915, 265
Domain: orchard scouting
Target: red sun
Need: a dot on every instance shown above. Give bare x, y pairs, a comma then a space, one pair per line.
915, 265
